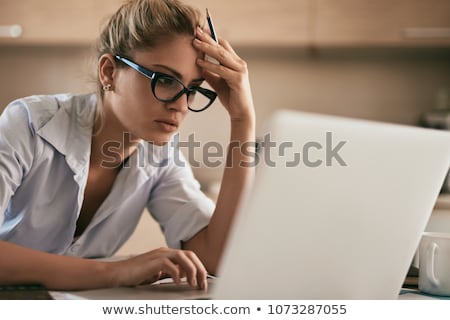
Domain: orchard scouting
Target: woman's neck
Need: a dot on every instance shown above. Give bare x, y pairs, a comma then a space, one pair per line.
111, 143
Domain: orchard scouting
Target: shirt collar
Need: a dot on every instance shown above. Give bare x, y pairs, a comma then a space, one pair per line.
70, 129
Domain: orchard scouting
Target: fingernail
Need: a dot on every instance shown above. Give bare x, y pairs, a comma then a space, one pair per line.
199, 30
205, 285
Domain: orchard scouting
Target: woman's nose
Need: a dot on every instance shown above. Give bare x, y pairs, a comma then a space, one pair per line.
181, 104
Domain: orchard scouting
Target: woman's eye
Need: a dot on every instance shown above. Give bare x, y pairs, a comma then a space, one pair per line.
167, 82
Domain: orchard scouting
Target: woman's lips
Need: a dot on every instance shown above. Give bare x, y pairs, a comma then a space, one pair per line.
167, 125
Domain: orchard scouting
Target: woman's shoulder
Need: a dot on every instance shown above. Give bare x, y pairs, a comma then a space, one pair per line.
39, 109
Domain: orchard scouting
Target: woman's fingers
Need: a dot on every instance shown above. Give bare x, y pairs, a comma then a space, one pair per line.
200, 268
167, 266
221, 52
187, 265
227, 46
177, 264
191, 265
229, 78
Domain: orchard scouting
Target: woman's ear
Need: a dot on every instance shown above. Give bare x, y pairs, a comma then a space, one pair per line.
106, 70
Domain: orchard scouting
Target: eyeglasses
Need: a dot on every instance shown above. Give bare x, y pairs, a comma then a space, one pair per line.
166, 88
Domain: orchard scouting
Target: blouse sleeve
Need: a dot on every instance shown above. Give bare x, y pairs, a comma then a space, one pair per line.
178, 204
16, 151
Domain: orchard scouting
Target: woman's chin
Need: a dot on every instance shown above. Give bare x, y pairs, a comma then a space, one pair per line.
159, 140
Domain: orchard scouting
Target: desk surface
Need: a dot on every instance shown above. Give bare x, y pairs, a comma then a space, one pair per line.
167, 290
162, 290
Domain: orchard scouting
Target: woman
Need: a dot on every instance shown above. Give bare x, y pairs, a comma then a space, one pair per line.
76, 171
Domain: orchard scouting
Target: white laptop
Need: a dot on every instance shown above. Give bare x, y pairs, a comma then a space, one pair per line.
337, 209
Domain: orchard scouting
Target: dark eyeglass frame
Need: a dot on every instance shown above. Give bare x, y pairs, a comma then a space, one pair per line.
153, 76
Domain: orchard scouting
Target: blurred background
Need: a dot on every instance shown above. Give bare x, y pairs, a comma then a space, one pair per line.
386, 60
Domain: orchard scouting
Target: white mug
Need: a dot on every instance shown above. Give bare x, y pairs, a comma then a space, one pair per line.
434, 263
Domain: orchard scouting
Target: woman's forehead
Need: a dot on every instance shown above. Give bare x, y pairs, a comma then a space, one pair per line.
177, 55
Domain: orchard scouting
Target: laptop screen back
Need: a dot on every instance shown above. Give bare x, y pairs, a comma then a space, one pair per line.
337, 209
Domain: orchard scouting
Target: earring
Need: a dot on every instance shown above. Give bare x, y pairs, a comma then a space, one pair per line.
107, 87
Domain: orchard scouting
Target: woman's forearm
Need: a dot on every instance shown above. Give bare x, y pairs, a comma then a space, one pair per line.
20, 265
237, 178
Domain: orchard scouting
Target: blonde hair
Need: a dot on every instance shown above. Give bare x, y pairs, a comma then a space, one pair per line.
145, 24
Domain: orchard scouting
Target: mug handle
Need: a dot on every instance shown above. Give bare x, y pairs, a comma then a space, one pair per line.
431, 254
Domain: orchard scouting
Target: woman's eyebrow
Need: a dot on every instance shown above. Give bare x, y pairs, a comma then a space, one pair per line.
176, 73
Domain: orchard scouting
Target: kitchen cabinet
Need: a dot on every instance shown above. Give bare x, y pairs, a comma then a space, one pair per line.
50, 22
322, 23
68, 22
260, 23
381, 23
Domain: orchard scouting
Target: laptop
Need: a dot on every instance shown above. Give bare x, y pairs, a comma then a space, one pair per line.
337, 209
